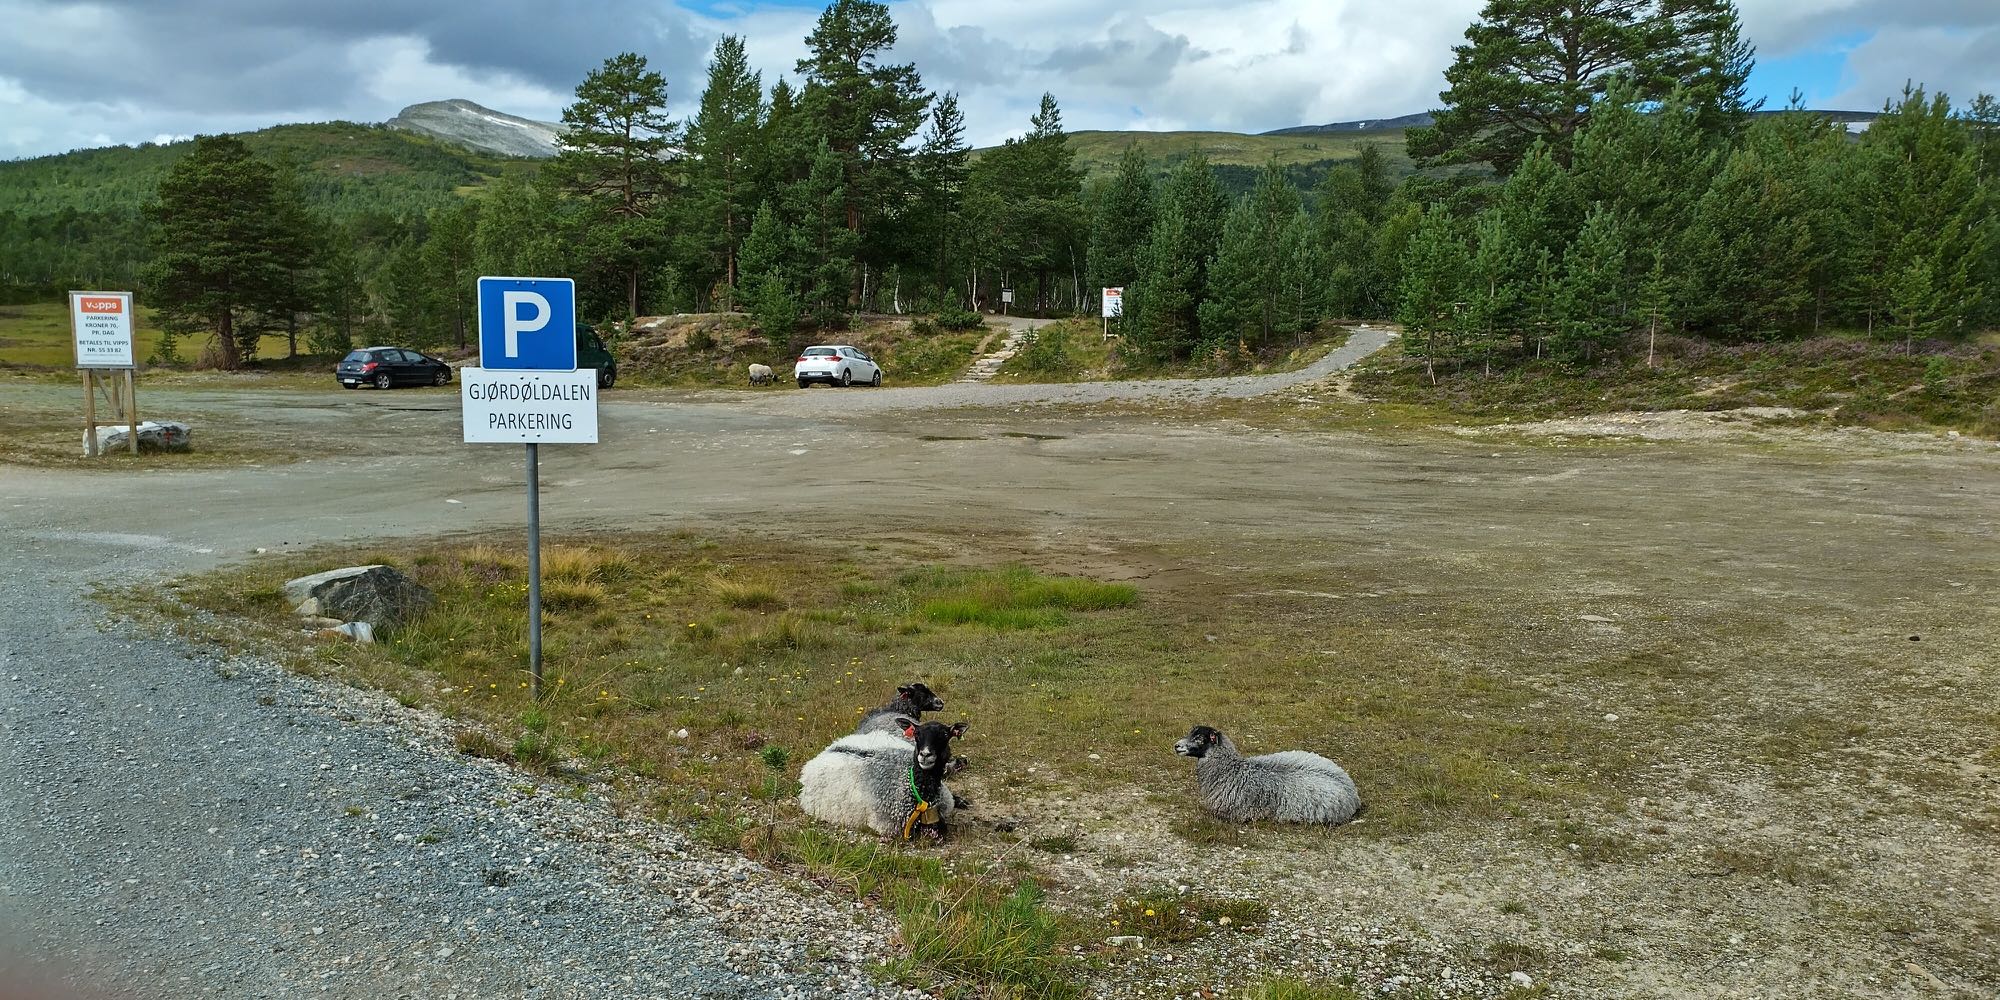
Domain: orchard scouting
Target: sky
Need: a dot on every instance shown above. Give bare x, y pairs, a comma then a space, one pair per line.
75, 75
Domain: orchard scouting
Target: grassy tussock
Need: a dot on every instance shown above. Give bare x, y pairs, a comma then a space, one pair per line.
1298, 989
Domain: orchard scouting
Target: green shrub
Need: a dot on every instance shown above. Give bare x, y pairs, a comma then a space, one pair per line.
959, 319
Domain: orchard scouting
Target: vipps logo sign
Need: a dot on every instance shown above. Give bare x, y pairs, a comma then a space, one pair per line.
103, 325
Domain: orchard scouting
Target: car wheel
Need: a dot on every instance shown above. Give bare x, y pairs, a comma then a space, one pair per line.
607, 377
803, 384
846, 378
442, 377
878, 379
383, 381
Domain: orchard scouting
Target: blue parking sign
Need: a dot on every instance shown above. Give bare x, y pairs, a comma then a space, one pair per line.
527, 324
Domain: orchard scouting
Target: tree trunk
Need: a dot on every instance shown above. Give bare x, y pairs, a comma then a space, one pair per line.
631, 295
291, 336
230, 360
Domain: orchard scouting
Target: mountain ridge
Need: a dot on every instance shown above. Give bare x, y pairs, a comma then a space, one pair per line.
479, 128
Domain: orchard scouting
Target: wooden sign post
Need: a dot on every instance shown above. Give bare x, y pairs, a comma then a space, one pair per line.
102, 323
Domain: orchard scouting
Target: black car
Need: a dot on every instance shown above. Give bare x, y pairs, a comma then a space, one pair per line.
388, 367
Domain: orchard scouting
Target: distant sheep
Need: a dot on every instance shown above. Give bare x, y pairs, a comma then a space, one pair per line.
879, 781
1291, 787
762, 375
912, 699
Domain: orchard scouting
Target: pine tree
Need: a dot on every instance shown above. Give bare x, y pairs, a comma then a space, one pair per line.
1532, 70
1430, 294
338, 299
824, 246
449, 256
866, 112
1245, 285
221, 254
1656, 301
943, 168
1496, 289
723, 152
1162, 304
1925, 216
770, 282
1120, 219
1592, 299
1646, 163
613, 154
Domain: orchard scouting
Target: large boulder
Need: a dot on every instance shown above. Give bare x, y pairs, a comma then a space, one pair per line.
378, 595
154, 435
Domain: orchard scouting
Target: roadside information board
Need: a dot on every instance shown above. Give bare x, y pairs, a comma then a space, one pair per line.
103, 325
1114, 303
528, 407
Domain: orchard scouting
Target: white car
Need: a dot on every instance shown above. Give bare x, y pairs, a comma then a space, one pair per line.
836, 364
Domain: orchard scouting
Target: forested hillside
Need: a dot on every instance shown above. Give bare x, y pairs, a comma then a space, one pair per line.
75, 219
1546, 215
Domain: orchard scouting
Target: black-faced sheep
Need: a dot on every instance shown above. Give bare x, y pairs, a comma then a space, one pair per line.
912, 700
882, 782
1291, 787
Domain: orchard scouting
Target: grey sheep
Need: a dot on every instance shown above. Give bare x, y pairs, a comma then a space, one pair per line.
912, 700
883, 782
1291, 787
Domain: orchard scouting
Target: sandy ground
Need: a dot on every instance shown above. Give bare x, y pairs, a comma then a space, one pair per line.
1878, 874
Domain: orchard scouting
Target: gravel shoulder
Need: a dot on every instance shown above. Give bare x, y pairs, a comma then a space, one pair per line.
180, 821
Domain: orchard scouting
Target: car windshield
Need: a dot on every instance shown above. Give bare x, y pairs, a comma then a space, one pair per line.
820, 351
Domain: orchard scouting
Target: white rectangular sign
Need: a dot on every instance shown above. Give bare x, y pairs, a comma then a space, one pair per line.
1007, 295
1114, 303
102, 322
528, 407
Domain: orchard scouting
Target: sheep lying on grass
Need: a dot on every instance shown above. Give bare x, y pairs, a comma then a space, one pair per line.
912, 700
762, 375
1291, 787
881, 782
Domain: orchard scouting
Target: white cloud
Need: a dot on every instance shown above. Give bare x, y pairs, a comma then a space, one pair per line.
174, 67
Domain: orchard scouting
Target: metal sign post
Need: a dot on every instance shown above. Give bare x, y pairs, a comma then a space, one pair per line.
527, 389
534, 572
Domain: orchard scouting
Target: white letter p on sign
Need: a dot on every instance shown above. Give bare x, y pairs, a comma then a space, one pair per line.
513, 324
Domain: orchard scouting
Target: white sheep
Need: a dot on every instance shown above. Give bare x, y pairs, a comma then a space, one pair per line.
762, 375
884, 782
1291, 787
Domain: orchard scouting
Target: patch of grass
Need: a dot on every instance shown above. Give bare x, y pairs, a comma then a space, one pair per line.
970, 938
1299, 989
1161, 914
966, 931
476, 743
1846, 380
1074, 350
1011, 598
747, 595
572, 595
1062, 843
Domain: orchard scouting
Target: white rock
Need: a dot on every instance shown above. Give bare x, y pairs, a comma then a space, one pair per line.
1611, 716
1520, 979
1125, 941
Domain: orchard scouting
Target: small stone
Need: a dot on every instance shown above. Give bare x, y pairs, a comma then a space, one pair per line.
445, 952
1521, 979
1597, 619
680, 734
1125, 941
1611, 716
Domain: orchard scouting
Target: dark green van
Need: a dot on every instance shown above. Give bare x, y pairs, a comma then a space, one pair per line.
591, 353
